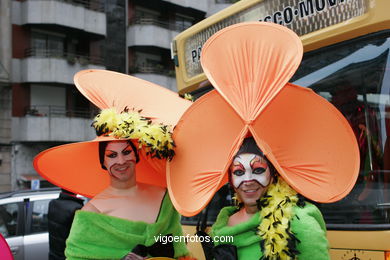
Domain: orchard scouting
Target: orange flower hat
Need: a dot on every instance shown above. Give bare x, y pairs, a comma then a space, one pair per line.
305, 137
76, 166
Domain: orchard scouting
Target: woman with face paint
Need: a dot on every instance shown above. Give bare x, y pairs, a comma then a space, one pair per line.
274, 142
130, 215
269, 216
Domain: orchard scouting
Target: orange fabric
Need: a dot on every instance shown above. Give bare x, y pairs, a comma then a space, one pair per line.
304, 136
107, 89
76, 166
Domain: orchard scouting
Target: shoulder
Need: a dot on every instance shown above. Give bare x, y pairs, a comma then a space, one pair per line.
152, 190
310, 211
223, 217
308, 216
90, 207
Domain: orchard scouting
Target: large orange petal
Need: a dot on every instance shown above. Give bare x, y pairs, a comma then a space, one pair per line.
313, 146
63, 166
108, 89
207, 136
249, 63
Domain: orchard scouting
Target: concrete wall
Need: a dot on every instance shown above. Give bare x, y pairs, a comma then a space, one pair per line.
150, 35
164, 81
59, 12
201, 5
5, 95
5, 40
51, 129
22, 159
35, 69
5, 169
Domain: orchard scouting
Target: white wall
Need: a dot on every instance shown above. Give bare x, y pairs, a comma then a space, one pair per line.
47, 129
164, 81
58, 70
58, 12
150, 35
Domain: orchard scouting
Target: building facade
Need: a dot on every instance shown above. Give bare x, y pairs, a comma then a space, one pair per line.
48, 48
44, 43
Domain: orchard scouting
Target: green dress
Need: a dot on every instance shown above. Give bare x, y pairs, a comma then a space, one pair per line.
99, 236
307, 224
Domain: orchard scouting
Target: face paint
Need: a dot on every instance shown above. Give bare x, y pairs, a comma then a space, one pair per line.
119, 159
250, 167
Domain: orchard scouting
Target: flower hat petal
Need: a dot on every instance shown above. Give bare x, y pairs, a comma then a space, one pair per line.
108, 89
76, 167
311, 144
249, 63
206, 138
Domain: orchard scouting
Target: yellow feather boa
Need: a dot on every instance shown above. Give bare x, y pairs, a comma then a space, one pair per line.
275, 216
155, 138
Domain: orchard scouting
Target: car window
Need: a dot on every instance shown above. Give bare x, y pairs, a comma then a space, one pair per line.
39, 216
8, 219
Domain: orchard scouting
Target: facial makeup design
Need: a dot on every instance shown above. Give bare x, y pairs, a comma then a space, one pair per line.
247, 167
119, 158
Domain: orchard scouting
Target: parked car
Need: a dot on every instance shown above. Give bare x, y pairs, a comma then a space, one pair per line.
24, 224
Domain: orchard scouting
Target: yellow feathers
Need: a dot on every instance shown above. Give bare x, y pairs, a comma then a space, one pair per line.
155, 138
275, 218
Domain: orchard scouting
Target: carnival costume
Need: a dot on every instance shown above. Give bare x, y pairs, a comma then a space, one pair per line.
305, 138
134, 110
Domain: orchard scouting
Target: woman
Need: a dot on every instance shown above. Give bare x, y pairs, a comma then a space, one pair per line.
123, 171
300, 144
270, 217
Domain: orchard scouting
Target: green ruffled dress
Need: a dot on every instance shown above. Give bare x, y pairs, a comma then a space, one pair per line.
99, 236
308, 225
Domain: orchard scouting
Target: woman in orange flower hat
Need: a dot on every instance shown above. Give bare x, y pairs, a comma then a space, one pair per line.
275, 142
130, 215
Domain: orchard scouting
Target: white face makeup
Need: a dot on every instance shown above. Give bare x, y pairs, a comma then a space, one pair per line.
250, 167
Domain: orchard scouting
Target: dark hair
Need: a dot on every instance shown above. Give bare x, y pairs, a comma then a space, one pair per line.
102, 149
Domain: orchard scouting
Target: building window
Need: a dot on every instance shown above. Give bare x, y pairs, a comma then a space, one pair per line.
183, 22
46, 45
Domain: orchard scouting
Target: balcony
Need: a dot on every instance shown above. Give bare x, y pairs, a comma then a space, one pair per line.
43, 65
156, 74
198, 5
218, 5
53, 123
152, 32
88, 16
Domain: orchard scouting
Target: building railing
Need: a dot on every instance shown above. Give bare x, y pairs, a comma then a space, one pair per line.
72, 58
152, 69
95, 5
170, 25
59, 111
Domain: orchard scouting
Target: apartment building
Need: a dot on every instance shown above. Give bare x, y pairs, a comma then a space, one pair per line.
151, 27
44, 43
5, 95
51, 41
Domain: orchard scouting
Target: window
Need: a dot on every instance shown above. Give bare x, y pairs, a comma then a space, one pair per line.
47, 45
183, 22
355, 77
39, 222
8, 219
